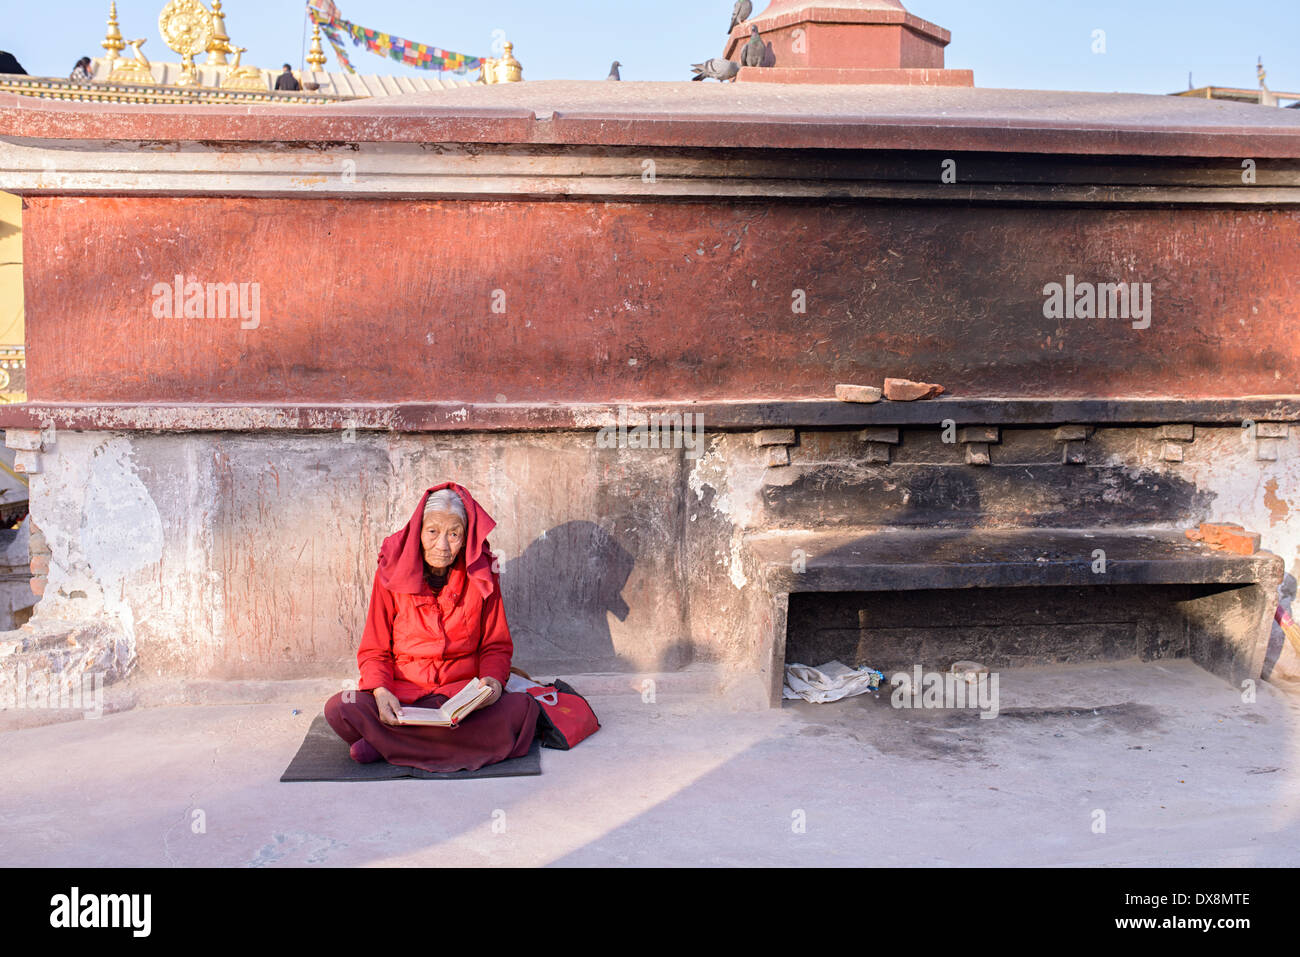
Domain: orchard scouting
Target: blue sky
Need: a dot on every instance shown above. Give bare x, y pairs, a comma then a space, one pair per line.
1151, 45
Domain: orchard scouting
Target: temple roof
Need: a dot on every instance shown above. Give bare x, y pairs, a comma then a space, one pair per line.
331, 84
698, 114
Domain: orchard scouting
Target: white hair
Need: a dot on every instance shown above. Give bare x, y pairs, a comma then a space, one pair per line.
445, 500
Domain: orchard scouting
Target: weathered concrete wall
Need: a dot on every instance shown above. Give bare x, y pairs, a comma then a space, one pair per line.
244, 555
237, 555
1124, 482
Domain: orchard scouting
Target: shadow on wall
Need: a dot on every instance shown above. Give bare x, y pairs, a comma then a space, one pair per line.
558, 595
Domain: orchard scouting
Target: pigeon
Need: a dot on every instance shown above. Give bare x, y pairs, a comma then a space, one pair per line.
754, 49
717, 68
740, 13
613, 71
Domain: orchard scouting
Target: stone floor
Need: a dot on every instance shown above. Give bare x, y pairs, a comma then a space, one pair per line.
1184, 771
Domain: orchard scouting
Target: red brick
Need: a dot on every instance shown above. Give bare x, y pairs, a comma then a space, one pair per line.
905, 390
1243, 543
40, 564
1231, 538
857, 393
1213, 531
38, 587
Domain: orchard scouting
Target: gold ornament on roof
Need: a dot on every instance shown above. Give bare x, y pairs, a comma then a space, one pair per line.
219, 45
316, 56
503, 69
113, 39
243, 77
186, 26
137, 70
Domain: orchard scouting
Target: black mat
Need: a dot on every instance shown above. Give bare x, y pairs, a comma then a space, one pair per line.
324, 756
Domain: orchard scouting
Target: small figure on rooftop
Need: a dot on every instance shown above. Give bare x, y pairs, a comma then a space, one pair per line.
286, 80
613, 71
1266, 96
9, 64
81, 72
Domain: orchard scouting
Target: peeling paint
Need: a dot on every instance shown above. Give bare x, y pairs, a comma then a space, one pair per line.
737, 569
1278, 507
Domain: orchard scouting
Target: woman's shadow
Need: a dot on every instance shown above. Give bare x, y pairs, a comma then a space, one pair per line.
557, 597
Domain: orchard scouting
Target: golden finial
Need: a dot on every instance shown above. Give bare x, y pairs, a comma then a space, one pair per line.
219, 45
113, 40
315, 56
508, 69
502, 69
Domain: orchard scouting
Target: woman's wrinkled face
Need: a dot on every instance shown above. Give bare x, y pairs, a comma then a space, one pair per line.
441, 536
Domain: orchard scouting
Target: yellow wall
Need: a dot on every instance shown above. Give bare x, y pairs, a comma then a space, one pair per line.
11, 270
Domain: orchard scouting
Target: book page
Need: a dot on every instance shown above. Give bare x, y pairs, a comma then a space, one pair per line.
464, 696
453, 709
467, 703
434, 716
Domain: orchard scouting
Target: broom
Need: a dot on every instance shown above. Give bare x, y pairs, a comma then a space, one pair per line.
1289, 627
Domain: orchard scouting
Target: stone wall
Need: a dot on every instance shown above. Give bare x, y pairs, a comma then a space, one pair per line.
251, 555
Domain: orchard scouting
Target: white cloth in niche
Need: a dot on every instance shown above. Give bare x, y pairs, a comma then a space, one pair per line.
829, 682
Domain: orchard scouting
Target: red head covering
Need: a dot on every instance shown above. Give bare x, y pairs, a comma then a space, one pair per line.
401, 557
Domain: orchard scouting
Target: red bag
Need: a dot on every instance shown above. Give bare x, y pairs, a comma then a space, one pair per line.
566, 717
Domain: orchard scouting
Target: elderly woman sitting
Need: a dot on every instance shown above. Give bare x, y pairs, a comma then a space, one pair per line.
436, 622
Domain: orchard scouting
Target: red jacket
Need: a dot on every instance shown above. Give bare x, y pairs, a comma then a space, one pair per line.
415, 645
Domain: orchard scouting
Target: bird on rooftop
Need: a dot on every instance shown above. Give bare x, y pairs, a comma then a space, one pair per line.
613, 71
754, 49
740, 13
717, 69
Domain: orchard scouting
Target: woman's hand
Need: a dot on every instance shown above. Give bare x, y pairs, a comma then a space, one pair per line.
390, 709
496, 690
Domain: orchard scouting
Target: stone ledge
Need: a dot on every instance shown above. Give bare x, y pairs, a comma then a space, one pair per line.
719, 415
682, 113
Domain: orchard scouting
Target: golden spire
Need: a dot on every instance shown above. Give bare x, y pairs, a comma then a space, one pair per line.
315, 56
508, 69
219, 45
113, 40
503, 69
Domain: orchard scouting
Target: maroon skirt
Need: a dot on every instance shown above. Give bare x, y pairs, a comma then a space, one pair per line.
504, 729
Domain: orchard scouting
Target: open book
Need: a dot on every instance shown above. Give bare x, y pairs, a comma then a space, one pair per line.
453, 710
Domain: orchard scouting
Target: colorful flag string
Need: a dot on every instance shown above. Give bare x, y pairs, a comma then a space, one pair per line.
418, 55
336, 40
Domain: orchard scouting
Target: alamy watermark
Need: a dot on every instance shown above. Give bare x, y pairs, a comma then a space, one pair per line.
128, 911
212, 300
42, 691
933, 689
1098, 300
655, 430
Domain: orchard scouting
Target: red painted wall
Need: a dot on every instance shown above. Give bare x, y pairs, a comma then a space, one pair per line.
391, 301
